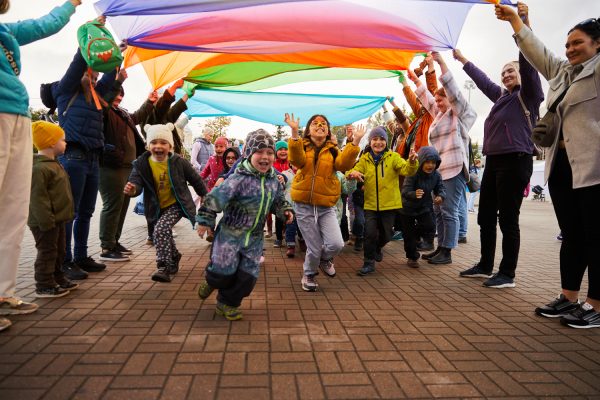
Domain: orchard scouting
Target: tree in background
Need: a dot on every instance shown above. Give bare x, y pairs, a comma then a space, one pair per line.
37, 114
280, 133
476, 153
219, 126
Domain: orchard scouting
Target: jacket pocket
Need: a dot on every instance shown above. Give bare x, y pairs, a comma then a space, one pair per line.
581, 91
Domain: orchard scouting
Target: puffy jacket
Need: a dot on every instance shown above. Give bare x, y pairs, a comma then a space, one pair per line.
212, 170
52, 201
202, 149
82, 121
180, 173
429, 183
381, 188
315, 181
13, 95
245, 198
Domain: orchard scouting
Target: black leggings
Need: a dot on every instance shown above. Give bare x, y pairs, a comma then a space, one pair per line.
579, 220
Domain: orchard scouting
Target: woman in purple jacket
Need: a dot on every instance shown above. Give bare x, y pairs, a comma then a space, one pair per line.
509, 162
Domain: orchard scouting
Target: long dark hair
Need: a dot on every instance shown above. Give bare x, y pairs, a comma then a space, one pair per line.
4, 6
227, 151
311, 119
590, 27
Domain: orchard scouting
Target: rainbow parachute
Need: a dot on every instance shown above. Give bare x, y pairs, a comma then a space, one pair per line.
241, 46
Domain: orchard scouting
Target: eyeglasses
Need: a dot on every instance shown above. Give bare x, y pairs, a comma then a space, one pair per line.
231, 158
318, 123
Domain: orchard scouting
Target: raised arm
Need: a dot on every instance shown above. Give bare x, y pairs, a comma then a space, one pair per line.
492, 90
31, 30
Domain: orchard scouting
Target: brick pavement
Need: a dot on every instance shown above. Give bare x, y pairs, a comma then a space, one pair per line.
400, 333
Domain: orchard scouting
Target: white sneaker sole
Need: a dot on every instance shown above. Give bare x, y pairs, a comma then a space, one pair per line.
505, 285
124, 259
51, 296
477, 276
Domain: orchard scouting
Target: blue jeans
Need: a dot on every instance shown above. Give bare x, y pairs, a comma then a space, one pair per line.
472, 198
83, 170
462, 216
290, 233
446, 215
358, 226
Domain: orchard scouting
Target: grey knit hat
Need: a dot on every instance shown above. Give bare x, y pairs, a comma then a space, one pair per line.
258, 140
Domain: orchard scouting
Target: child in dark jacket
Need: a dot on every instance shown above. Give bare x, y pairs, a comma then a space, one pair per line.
164, 176
418, 193
245, 198
50, 208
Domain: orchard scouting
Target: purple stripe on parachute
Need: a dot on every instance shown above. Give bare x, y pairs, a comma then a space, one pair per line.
162, 7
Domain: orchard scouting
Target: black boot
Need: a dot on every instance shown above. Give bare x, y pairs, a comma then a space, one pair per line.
443, 257
429, 256
425, 245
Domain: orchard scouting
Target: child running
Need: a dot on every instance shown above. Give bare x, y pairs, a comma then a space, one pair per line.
164, 176
418, 193
50, 208
214, 166
245, 198
281, 164
379, 169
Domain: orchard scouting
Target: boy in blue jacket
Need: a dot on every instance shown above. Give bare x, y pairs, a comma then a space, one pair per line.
418, 193
245, 198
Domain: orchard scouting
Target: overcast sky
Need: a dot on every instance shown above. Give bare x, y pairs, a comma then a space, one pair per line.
484, 40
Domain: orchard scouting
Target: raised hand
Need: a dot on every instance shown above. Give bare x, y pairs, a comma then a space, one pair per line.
75, 2
523, 11
292, 122
153, 96
359, 133
505, 13
122, 75
413, 77
437, 57
412, 156
349, 133
458, 56
178, 83
356, 175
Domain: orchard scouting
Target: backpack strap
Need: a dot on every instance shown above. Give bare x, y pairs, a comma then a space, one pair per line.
526, 111
70, 103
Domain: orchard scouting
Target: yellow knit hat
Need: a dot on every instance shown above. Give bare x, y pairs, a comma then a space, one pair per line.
45, 134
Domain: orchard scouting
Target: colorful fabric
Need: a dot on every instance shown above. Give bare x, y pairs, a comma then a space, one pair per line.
270, 107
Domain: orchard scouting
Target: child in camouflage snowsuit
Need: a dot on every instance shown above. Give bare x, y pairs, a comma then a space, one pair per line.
245, 198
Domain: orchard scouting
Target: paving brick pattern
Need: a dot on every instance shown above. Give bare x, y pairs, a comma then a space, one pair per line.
400, 333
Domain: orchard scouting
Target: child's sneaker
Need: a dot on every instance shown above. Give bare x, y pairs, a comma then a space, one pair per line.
4, 323
55, 291
397, 236
412, 263
149, 241
291, 252
204, 290
277, 243
162, 273
230, 313
14, 306
367, 268
309, 284
327, 267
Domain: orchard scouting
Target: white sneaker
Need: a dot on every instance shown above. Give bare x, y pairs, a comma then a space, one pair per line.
309, 284
327, 267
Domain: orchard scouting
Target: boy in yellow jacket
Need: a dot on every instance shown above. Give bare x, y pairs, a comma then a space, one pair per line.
379, 169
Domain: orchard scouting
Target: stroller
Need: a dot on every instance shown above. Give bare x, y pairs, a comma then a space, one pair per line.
538, 193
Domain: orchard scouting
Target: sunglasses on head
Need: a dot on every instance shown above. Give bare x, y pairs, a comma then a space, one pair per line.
589, 21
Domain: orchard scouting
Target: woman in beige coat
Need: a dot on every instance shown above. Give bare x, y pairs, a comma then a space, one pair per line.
573, 161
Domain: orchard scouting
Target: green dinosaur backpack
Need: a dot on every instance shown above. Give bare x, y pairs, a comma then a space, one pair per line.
98, 47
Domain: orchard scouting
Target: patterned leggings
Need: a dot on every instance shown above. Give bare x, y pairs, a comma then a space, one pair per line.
163, 234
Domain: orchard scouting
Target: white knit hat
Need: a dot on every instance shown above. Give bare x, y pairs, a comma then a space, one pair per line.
164, 132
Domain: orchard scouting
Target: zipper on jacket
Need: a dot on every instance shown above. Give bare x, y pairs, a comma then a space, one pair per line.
377, 186
260, 208
312, 184
175, 192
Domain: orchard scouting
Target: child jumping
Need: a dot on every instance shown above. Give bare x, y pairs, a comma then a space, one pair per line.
50, 208
164, 176
379, 169
245, 198
418, 193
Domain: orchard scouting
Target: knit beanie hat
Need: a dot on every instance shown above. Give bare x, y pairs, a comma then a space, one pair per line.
45, 134
222, 141
258, 140
378, 131
164, 132
282, 144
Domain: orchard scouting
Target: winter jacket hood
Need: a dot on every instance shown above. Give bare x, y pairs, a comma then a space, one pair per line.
429, 183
